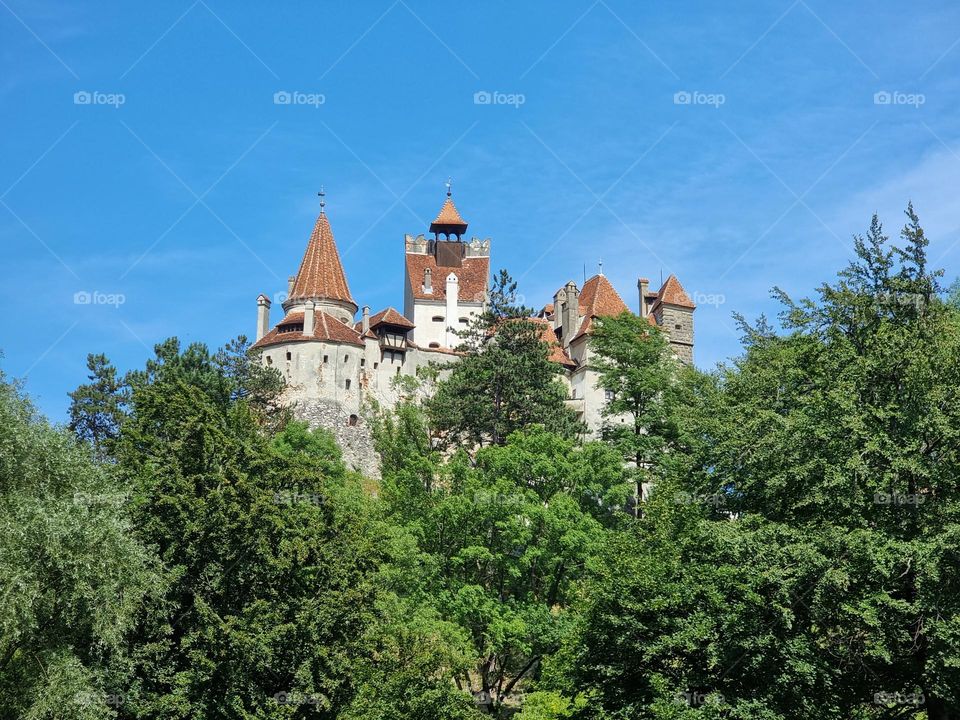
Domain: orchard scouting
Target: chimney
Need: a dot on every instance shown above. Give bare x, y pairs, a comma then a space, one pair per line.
308, 318
263, 316
643, 285
558, 303
290, 281
453, 296
366, 319
571, 314
428, 280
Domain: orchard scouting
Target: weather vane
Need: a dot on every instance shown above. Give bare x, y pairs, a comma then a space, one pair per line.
323, 202
449, 185
601, 266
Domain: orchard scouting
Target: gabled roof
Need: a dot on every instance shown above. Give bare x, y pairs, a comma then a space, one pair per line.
448, 217
599, 297
390, 317
326, 328
473, 276
321, 274
672, 293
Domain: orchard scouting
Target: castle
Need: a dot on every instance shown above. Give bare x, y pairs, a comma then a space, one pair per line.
333, 364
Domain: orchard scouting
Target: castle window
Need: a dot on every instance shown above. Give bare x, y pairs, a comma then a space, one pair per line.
464, 321
376, 365
289, 356
346, 384
269, 360
437, 318
608, 395
362, 362
434, 345
346, 357
326, 358
678, 327
353, 420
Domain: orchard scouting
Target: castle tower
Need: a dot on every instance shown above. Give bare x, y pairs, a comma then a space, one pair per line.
446, 279
673, 311
321, 279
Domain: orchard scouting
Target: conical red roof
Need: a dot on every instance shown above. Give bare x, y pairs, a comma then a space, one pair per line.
448, 217
321, 274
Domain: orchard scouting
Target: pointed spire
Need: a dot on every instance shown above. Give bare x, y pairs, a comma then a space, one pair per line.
321, 274
448, 220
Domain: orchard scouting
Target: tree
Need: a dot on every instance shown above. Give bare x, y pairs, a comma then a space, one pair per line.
97, 409
73, 573
634, 363
500, 547
799, 559
268, 545
505, 380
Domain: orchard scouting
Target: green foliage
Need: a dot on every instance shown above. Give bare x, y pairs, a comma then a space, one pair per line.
267, 543
73, 573
505, 380
799, 557
97, 408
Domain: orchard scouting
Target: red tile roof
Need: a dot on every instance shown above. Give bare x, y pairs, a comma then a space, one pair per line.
390, 317
549, 336
321, 274
599, 297
672, 293
473, 277
448, 216
326, 328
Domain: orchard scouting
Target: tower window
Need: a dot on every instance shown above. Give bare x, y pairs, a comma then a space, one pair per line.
346, 357
678, 326
376, 365
437, 318
363, 362
353, 420
269, 360
326, 359
289, 356
346, 384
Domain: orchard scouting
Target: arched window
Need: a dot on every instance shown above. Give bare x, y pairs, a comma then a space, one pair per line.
437, 318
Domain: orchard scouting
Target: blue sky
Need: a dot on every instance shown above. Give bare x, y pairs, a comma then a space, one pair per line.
183, 187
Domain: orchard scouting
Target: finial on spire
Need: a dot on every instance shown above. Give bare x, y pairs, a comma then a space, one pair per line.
601, 266
323, 202
449, 185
